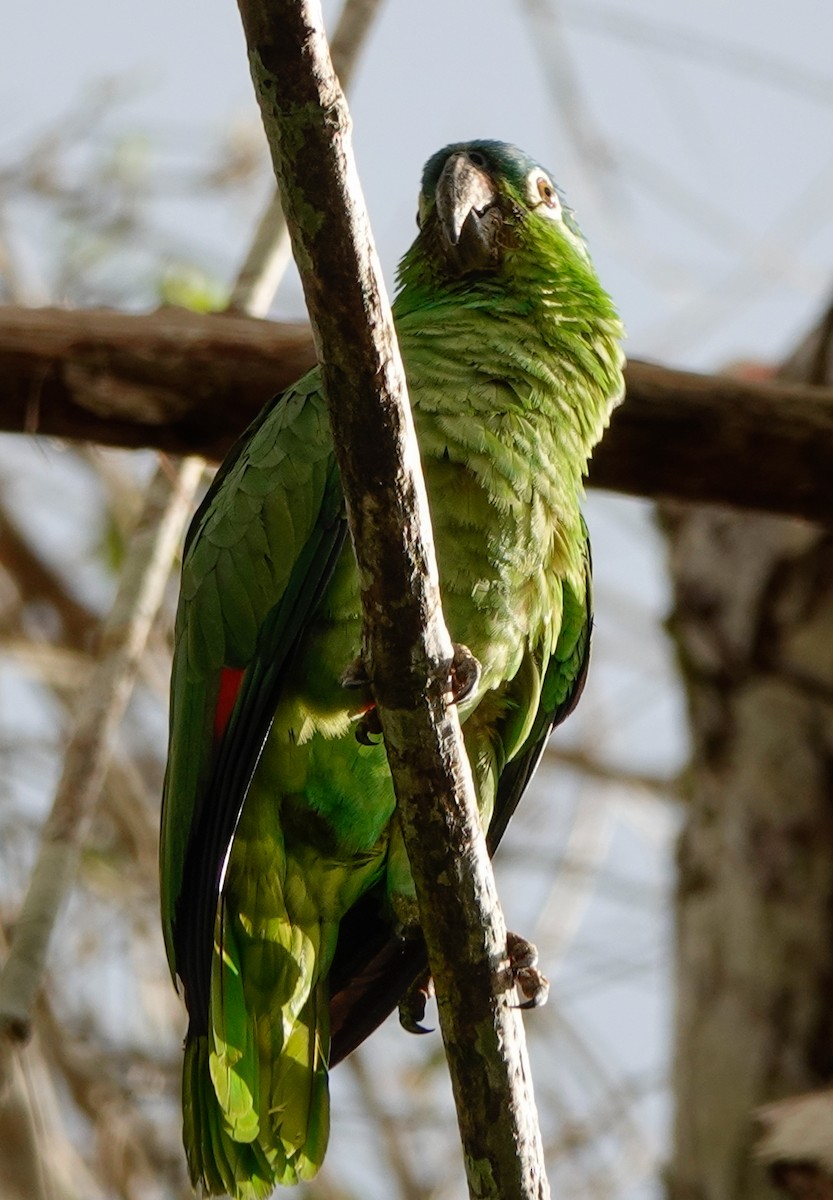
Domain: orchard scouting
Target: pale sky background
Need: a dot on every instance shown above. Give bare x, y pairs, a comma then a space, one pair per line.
697, 154
695, 141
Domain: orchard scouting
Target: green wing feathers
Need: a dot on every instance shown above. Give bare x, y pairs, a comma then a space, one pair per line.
246, 599
240, 552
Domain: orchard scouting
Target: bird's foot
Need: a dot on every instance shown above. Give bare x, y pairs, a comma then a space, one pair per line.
368, 725
412, 1005
463, 674
463, 678
532, 985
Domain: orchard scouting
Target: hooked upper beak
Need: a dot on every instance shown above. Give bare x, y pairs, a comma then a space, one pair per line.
465, 193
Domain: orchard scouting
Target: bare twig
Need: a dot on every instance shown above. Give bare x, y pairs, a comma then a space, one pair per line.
37, 1160
389, 1128
550, 43
130, 1151
100, 709
266, 262
575, 880
735, 57
22, 1170
38, 582
589, 764
408, 648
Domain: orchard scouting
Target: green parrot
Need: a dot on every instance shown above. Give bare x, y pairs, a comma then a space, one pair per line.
286, 891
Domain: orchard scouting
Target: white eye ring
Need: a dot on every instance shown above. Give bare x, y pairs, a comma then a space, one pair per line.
543, 196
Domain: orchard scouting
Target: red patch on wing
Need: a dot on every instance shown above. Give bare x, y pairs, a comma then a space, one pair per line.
230, 680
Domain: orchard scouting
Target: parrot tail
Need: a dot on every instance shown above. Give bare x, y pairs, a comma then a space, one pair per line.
216, 1161
266, 1121
255, 1094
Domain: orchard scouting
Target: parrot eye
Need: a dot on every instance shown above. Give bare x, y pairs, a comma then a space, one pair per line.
542, 195
547, 192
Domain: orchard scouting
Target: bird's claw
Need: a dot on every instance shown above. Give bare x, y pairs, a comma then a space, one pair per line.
531, 983
412, 1005
463, 674
463, 677
369, 726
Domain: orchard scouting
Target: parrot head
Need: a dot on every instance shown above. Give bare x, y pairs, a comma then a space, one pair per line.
481, 200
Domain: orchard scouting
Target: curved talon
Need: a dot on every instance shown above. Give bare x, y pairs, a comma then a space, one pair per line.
355, 678
532, 984
463, 674
368, 725
412, 1005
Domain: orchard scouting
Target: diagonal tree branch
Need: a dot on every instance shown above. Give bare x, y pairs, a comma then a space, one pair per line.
100, 711
408, 647
189, 383
41, 583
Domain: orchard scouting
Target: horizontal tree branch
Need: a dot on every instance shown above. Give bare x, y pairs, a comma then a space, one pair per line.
172, 379
189, 383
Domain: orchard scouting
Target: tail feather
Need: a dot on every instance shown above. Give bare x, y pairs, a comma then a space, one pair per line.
233, 1061
254, 1090
300, 1096
216, 1161
311, 1155
255, 1093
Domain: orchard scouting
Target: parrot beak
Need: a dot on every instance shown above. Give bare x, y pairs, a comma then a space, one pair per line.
468, 218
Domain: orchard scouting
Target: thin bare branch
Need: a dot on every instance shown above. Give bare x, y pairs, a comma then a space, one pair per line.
100, 709
549, 41
389, 1128
661, 786
22, 1170
37, 1162
130, 1152
575, 881
36, 581
735, 57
